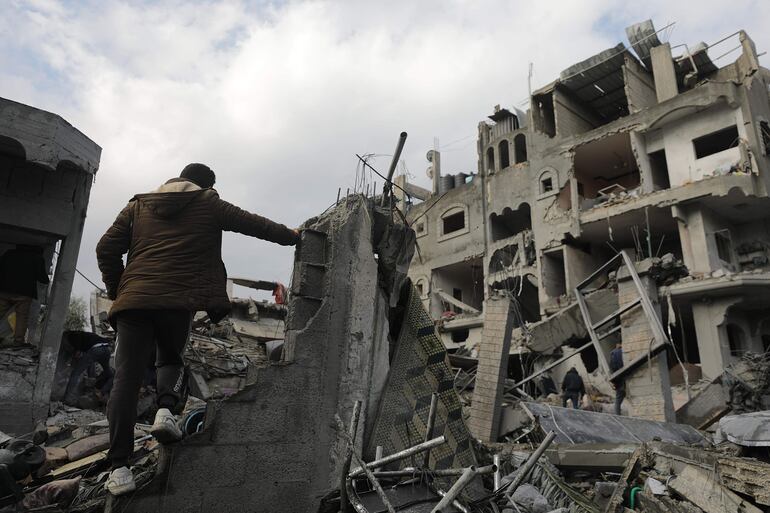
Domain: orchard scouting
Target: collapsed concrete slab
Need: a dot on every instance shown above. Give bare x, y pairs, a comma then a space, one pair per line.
581, 426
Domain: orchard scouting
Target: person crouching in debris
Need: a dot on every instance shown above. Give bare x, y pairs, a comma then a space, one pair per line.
173, 237
572, 388
89, 348
616, 363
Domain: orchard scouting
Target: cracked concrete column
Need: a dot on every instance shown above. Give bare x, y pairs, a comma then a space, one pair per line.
648, 388
493, 366
713, 348
663, 72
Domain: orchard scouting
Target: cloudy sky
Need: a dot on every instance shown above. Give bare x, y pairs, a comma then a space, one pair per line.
278, 97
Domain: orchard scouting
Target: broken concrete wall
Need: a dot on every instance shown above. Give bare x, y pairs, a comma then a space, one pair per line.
639, 86
572, 117
274, 446
683, 165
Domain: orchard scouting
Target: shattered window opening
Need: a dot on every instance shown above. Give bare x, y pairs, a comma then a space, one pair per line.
764, 127
736, 339
491, 160
724, 246
659, 170
454, 222
546, 185
716, 142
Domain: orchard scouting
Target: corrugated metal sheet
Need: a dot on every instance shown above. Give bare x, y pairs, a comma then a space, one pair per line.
598, 82
643, 38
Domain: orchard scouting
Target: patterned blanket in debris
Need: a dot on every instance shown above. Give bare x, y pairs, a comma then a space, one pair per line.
419, 368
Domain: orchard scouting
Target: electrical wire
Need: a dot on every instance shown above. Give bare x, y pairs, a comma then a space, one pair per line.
84, 276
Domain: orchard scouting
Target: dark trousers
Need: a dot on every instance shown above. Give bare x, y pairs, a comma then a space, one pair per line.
571, 396
139, 333
100, 354
620, 394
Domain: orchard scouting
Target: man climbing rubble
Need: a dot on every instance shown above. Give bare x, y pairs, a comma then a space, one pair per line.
616, 363
572, 388
173, 237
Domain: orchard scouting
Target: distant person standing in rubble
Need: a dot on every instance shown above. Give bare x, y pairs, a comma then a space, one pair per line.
173, 237
21, 269
616, 363
572, 388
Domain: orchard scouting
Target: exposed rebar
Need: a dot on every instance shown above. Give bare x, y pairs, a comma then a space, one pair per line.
524, 470
375, 482
430, 424
344, 505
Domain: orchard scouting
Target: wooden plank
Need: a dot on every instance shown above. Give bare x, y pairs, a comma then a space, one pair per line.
76, 467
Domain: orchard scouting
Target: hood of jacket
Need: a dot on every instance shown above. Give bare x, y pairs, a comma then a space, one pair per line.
170, 198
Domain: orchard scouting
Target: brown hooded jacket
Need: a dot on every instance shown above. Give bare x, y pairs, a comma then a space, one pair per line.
173, 237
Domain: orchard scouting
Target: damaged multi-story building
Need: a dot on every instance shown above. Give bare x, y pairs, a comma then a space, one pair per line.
653, 153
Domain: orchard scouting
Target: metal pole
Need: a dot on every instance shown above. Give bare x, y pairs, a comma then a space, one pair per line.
354, 500
524, 470
417, 449
378, 452
453, 492
429, 426
447, 472
496, 461
455, 503
392, 169
375, 483
345, 506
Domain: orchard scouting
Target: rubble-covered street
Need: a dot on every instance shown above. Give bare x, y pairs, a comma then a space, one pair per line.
580, 325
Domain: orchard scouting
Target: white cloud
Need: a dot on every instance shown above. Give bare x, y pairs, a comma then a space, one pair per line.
278, 98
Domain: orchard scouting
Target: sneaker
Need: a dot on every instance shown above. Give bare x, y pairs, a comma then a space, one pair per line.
165, 428
120, 482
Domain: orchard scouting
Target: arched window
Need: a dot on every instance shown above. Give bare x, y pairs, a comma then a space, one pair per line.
453, 222
547, 181
491, 159
502, 148
520, 148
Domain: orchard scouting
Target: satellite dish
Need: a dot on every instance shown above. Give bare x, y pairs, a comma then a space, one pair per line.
429, 172
429, 155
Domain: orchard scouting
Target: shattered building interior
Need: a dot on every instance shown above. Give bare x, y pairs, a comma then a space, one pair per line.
406, 365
